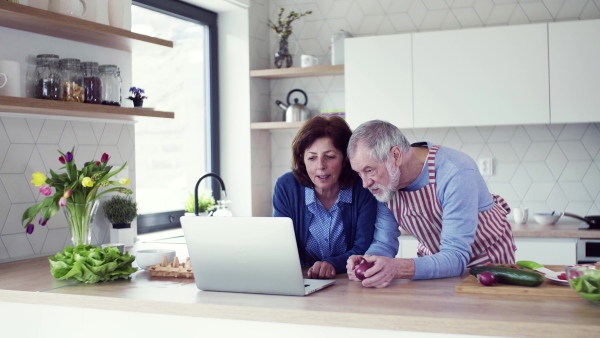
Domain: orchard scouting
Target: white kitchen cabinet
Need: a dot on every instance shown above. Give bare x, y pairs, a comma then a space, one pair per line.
378, 80
481, 76
548, 251
408, 247
574, 53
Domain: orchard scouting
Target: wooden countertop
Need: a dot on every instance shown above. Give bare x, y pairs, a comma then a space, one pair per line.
426, 306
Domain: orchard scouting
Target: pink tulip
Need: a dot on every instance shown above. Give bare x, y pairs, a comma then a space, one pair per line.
68, 193
62, 202
45, 190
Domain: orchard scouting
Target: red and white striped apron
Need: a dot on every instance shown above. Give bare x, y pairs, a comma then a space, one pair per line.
420, 213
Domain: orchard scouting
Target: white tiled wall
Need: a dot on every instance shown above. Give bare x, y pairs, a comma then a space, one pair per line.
540, 166
28, 145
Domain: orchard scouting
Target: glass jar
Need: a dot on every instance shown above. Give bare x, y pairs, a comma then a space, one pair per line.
111, 85
72, 81
92, 85
46, 83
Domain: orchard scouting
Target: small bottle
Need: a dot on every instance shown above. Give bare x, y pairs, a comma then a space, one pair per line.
92, 84
72, 81
111, 85
222, 210
47, 81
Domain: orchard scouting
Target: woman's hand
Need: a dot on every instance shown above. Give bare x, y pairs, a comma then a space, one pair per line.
321, 270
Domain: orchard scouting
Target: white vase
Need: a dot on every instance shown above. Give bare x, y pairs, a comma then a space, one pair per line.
119, 14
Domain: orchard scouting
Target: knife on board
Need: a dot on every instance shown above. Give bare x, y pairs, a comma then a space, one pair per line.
538, 267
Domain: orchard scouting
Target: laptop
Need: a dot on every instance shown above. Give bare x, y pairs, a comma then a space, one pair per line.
247, 254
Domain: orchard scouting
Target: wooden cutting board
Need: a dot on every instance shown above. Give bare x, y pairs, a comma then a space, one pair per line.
471, 285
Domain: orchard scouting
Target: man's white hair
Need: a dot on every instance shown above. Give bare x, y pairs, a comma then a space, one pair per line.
378, 136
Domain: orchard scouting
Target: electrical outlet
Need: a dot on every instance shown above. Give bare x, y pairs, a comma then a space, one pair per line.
486, 166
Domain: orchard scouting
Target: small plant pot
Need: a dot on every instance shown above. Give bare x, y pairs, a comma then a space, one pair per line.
122, 226
138, 102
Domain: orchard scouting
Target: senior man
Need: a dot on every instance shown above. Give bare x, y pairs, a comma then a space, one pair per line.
437, 195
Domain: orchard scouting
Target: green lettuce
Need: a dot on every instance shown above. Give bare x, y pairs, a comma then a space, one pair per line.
90, 264
588, 285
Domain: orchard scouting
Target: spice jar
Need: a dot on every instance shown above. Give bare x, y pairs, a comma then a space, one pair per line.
111, 85
46, 83
92, 85
72, 81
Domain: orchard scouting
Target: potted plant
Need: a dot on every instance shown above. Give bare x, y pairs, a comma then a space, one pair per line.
120, 211
205, 202
137, 96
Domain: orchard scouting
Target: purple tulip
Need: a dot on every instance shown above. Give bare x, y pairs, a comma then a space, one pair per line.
69, 157
61, 159
42, 223
104, 158
62, 202
30, 228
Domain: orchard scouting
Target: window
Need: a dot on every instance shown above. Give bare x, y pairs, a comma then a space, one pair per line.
172, 154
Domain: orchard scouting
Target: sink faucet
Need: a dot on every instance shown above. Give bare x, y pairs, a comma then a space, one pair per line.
198, 184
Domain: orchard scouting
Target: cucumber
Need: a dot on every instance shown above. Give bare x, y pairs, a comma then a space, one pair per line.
509, 275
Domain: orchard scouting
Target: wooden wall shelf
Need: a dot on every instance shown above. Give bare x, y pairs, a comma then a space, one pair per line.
39, 21
284, 73
275, 125
23, 105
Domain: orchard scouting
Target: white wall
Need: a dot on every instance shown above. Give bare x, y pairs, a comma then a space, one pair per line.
544, 167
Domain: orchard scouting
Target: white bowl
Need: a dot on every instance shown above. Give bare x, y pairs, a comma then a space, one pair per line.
546, 218
145, 258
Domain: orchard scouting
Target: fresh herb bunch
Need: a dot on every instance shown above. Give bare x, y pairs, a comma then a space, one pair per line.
120, 209
283, 27
137, 94
205, 201
72, 187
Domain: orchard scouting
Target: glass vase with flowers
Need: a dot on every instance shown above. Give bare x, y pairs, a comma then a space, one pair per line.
283, 29
77, 191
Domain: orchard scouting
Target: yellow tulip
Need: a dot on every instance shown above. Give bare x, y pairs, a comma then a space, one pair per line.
124, 181
38, 179
87, 182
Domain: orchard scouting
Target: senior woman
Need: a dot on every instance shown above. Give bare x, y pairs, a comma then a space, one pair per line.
333, 215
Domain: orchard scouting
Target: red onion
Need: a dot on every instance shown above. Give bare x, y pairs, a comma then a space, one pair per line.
361, 268
487, 278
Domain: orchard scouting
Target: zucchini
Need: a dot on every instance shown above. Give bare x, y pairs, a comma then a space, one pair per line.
509, 275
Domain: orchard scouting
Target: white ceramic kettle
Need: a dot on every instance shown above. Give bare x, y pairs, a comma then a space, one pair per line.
76, 8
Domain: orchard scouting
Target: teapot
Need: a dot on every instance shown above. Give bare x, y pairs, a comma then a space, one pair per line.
294, 112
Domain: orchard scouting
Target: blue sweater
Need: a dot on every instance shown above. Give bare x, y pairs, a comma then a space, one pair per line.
358, 218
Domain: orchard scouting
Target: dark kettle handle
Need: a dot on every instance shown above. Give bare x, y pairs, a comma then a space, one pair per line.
297, 90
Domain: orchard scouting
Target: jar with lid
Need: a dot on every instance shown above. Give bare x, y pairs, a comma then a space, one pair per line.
111, 85
72, 81
92, 85
47, 78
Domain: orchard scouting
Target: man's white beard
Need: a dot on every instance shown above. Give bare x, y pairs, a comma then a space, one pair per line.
389, 191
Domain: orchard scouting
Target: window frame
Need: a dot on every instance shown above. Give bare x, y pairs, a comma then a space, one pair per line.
168, 220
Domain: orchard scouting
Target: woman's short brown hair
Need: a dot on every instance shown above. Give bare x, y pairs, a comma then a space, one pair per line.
336, 129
